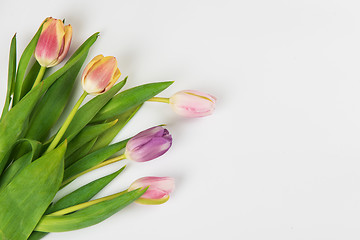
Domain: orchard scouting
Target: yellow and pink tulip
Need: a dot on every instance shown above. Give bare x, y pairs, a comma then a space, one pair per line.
100, 75
54, 42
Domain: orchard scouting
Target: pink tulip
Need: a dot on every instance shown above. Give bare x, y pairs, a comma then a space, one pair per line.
148, 144
190, 103
53, 43
100, 75
158, 191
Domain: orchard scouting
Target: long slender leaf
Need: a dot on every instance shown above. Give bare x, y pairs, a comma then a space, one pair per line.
31, 146
30, 79
84, 193
11, 75
93, 159
80, 153
14, 168
81, 195
87, 134
12, 125
24, 200
37, 235
23, 64
107, 137
88, 216
128, 99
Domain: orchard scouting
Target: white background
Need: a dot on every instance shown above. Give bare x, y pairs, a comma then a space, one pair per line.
279, 159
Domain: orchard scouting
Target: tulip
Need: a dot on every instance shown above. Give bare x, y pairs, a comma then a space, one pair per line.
190, 103
148, 145
100, 75
158, 190
53, 43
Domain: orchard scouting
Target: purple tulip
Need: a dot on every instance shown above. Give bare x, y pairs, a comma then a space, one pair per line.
158, 190
148, 145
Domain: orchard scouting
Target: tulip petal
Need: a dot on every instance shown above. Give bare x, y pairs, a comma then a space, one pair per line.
190, 103
155, 194
158, 190
65, 46
115, 77
88, 67
144, 137
50, 42
102, 72
154, 131
101, 75
149, 144
150, 150
165, 184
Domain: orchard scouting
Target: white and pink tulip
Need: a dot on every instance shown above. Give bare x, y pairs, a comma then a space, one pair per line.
158, 192
192, 104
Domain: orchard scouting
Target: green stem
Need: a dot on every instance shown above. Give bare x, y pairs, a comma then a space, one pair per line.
159, 99
67, 122
39, 76
85, 204
107, 162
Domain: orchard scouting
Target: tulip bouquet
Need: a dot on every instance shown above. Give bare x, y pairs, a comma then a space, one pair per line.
35, 165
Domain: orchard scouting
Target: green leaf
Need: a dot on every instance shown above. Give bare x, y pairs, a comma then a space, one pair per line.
128, 99
33, 148
14, 168
23, 64
88, 216
11, 75
84, 193
37, 235
30, 79
107, 137
87, 134
12, 125
51, 106
80, 153
84, 115
80, 195
93, 159
104, 139
24, 200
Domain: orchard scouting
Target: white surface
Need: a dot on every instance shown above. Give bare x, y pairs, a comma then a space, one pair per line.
279, 159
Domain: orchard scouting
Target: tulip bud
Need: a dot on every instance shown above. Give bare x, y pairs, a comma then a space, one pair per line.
100, 75
158, 190
148, 145
54, 42
190, 103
